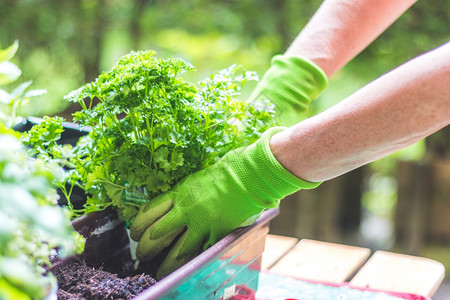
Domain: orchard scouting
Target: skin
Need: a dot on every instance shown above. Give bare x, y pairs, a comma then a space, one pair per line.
340, 29
395, 111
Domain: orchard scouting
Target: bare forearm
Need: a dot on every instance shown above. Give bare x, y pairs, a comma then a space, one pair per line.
340, 29
394, 111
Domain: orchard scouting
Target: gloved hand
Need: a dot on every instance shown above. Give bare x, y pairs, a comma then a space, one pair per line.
291, 83
209, 204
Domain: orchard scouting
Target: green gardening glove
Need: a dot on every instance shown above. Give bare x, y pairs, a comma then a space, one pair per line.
209, 204
291, 83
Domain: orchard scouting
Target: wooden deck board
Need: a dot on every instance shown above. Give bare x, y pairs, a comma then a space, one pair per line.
335, 263
400, 273
276, 247
321, 261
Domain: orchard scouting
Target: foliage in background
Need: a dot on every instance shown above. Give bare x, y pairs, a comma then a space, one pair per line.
32, 227
10, 102
70, 42
149, 129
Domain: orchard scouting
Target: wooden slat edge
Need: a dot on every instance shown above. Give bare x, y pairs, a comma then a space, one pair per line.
275, 248
400, 273
321, 261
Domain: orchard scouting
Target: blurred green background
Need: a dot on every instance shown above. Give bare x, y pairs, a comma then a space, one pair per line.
400, 202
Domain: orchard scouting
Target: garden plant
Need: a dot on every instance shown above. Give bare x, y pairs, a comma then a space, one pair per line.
33, 228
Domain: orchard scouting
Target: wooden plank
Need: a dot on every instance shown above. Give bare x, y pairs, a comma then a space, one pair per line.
321, 261
276, 246
400, 273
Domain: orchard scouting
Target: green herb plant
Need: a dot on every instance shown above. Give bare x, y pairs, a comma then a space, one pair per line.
149, 128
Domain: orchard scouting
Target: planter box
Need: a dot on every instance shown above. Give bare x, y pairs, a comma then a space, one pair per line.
228, 268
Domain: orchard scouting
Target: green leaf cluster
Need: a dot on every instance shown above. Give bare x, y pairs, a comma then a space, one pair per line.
11, 101
42, 141
150, 128
33, 228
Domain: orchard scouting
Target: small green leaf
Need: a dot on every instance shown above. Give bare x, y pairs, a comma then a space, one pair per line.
35, 93
129, 212
8, 53
9, 291
9, 72
115, 193
5, 97
177, 160
18, 91
161, 154
94, 177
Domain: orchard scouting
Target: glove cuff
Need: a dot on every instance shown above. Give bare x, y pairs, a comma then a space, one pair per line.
263, 177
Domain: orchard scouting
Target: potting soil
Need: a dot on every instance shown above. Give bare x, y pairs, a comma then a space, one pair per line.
77, 281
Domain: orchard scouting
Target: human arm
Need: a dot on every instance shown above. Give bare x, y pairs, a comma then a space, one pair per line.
338, 31
396, 110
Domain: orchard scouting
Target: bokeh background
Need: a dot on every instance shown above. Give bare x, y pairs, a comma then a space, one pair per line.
400, 203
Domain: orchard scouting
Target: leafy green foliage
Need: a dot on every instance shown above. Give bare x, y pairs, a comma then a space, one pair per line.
151, 128
42, 141
10, 102
32, 226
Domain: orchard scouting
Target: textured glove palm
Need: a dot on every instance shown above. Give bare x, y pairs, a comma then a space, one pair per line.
209, 204
291, 83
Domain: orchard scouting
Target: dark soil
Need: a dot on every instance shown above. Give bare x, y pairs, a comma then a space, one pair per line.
77, 281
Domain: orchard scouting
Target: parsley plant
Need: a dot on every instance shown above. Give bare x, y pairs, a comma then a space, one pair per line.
150, 128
